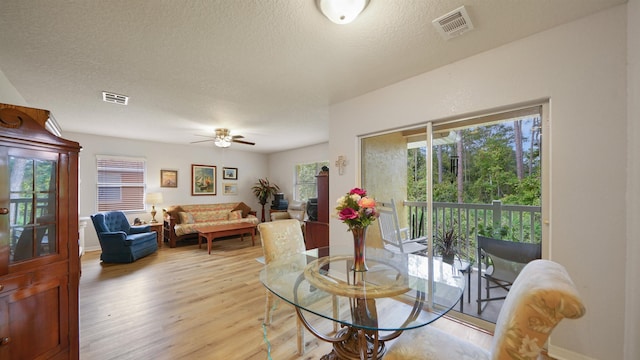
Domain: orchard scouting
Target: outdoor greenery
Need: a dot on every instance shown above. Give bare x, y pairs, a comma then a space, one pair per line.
496, 162
31, 180
305, 185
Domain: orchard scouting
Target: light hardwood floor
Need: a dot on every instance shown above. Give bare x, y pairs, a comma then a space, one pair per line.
181, 303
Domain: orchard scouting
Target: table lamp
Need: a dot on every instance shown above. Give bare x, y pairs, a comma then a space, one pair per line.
153, 199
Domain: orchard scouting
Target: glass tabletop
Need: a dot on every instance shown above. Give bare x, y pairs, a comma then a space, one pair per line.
394, 294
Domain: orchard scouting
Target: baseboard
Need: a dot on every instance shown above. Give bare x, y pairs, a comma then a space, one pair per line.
559, 353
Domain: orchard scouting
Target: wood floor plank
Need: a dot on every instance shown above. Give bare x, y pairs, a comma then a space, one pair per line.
181, 303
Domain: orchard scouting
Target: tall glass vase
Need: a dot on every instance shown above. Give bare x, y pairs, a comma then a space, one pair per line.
359, 256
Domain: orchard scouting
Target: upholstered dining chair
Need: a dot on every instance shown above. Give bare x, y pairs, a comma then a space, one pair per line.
541, 296
281, 239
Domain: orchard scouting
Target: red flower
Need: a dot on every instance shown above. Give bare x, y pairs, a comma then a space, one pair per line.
348, 214
358, 191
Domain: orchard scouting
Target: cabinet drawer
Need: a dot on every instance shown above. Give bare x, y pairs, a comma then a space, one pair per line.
10, 283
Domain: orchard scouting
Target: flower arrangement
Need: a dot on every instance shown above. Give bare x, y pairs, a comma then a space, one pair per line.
356, 209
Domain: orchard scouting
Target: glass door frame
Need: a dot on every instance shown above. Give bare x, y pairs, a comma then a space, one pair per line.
431, 127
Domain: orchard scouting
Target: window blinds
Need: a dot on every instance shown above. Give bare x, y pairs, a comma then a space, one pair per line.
121, 183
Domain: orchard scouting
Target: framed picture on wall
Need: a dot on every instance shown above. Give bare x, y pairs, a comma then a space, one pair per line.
203, 180
169, 178
229, 173
230, 189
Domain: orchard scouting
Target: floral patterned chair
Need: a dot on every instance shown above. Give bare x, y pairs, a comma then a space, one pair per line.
279, 240
541, 296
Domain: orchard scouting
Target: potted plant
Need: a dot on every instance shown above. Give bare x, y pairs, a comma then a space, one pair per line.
263, 190
446, 245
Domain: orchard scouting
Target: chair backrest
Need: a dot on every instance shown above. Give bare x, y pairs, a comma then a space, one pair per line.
24, 246
509, 257
541, 296
110, 221
297, 210
281, 238
389, 225
510, 250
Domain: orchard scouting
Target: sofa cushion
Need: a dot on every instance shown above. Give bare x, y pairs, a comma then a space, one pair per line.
244, 207
185, 229
235, 215
186, 218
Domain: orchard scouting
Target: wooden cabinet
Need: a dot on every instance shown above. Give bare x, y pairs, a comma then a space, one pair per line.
317, 232
39, 260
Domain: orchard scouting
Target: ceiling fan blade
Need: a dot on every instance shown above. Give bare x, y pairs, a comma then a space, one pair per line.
243, 142
199, 141
237, 137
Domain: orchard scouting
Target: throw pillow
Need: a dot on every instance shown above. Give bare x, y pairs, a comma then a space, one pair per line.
244, 207
235, 215
173, 211
186, 218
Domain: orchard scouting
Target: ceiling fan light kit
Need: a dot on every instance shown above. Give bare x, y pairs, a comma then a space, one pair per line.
341, 11
223, 138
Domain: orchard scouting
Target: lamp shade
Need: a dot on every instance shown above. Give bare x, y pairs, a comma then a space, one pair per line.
154, 198
341, 11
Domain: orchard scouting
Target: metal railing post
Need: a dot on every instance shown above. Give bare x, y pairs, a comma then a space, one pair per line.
496, 206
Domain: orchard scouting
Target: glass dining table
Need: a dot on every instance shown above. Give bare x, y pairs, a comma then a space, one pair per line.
398, 292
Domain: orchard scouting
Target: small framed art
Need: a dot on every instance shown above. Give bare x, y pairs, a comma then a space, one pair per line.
203, 180
229, 173
169, 178
230, 188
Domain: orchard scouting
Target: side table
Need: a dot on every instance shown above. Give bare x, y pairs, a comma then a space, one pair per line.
158, 228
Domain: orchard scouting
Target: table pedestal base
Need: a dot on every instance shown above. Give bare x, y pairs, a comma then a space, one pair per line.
358, 341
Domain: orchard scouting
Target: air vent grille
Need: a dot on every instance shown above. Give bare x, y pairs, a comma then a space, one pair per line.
115, 98
454, 23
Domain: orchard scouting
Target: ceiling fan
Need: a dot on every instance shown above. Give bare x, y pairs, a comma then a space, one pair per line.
223, 139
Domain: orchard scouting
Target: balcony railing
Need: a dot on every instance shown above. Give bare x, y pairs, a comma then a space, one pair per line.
509, 222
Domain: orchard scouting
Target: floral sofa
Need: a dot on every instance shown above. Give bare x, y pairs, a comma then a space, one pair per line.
182, 221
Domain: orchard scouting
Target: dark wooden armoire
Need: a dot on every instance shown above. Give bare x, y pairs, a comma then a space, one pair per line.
317, 232
39, 265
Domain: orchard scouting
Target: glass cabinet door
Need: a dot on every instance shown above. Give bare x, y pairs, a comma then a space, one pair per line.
32, 206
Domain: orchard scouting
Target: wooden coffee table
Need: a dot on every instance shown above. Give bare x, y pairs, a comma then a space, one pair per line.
216, 231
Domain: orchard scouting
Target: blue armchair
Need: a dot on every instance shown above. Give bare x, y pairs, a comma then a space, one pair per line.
121, 242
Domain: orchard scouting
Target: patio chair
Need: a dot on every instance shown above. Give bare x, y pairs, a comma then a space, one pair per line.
541, 296
394, 238
503, 261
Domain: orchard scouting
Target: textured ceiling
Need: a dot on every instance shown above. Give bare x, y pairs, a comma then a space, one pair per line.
265, 69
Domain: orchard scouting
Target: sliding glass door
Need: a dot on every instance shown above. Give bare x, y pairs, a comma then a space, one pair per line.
452, 181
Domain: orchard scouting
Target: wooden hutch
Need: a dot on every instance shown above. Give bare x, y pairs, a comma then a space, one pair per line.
317, 232
39, 264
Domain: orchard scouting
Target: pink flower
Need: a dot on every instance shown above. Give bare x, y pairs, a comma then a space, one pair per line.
347, 214
358, 191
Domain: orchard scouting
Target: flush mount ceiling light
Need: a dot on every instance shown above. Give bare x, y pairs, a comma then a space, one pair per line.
223, 138
341, 11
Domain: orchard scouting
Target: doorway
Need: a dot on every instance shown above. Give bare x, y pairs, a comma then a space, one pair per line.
482, 175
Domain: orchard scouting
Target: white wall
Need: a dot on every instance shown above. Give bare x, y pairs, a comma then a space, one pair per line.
581, 68
282, 165
8, 93
251, 166
632, 318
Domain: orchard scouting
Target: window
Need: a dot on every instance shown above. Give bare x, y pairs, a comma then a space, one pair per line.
305, 184
121, 183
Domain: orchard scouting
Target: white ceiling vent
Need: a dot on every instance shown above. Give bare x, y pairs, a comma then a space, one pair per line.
115, 98
454, 23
